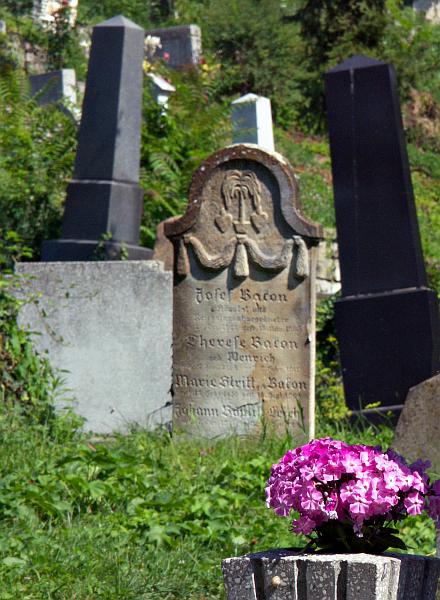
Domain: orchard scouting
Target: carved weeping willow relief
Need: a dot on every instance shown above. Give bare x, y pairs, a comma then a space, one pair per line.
241, 218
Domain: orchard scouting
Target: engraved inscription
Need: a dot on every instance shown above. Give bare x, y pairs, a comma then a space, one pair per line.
243, 301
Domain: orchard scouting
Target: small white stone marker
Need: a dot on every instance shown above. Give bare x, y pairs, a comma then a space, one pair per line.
161, 89
252, 121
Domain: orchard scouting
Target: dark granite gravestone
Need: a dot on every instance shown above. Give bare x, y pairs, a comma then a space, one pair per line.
104, 201
56, 87
387, 319
244, 299
181, 45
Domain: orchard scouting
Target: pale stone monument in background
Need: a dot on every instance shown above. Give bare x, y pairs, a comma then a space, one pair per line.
252, 121
244, 299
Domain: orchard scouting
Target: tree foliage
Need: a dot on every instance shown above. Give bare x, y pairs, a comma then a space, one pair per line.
332, 30
257, 50
36, 157
174, 143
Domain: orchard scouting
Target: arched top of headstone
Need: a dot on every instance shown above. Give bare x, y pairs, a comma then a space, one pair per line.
242, 158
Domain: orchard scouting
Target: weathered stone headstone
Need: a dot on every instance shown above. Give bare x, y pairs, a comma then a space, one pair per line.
104, 200
181, 46
252, 121
387, 320
244, 299
3, 28
163, 247
417, 432
56, 87
108, 327
328, 274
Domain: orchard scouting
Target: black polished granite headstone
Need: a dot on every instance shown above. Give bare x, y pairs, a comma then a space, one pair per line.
387, 320
104, 200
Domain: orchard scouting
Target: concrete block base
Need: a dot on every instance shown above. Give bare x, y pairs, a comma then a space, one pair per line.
286, 574
108, 327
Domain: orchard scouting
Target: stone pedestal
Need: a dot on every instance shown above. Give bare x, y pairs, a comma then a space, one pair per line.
287, 575
104, 200
107, 326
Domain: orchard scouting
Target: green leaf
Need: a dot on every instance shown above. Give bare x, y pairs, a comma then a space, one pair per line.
13, 561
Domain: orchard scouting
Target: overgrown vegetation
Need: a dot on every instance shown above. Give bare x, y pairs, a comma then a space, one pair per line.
141, 516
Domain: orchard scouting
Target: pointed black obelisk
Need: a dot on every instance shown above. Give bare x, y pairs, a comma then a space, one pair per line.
104, 200
387, 320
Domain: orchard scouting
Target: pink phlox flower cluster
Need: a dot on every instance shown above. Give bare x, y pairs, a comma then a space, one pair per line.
329, 479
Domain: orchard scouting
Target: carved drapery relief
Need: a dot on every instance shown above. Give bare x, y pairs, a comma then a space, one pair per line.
240, 219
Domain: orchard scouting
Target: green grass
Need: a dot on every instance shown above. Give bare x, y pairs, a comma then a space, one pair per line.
143, 516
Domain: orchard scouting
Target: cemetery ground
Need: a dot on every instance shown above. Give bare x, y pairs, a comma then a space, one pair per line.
143, 515
146, 515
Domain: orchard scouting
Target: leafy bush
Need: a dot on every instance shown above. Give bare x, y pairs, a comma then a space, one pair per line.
146, 13
175, 142
330, 402
256, 49
18, 7
37, 147
27, 384
331, 31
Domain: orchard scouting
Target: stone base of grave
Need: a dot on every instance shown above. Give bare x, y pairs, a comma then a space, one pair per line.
381, 363
286, 574
94, 210
107, 326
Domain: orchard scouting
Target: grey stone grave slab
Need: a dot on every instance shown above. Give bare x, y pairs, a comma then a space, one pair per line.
108, 327
181, 45
387, 320
417, 433
244, 299
252, 121
104, 200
